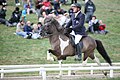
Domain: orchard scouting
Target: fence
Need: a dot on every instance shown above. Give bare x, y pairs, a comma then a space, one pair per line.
42, 69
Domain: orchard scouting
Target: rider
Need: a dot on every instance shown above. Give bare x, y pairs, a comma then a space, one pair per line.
78, 28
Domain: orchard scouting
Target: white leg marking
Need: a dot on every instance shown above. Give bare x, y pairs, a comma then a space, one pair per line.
49, 56
84, 63
63, 45
97, 61
60, 66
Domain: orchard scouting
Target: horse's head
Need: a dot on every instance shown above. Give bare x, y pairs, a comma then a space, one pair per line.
51, 27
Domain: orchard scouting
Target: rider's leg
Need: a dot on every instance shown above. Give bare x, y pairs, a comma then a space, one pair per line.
78, 47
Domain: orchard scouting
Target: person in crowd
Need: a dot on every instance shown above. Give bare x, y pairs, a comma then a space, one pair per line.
29, 7
56, 4
17, 2
102, 28
36, 30
63, 1
3, 2
23, 16
20, 31
3, 12
50, 9
61, 11
44, 15
38, 5
3, 15
93, 25
28, 29
46, 5
73, 1
86, 1
15, 18
78, 28
89, 10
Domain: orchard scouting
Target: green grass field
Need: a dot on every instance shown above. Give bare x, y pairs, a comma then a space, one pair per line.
15, 50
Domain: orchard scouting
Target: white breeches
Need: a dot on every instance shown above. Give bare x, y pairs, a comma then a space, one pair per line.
77, 37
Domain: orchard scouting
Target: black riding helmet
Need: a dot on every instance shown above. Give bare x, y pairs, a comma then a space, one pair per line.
76, 5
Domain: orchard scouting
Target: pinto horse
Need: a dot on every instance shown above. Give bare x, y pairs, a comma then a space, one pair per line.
62, 47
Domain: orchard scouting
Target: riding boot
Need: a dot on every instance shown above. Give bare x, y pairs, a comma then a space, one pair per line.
78, 53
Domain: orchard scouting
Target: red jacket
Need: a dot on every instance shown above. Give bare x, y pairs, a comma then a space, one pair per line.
46, 4
102, 27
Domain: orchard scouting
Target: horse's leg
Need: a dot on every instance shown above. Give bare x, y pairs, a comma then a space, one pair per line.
60, 65
93, 57
49, 57
84, 62
85, 58
54, 52
57, 54
86, 55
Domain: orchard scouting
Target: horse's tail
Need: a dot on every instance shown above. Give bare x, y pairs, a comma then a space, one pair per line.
102, 51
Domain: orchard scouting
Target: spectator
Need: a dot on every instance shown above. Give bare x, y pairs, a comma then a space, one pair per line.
61, 11
46, 5
29, 8
44, 15
93, 25
3, 12
86, 1
19, 29
102, 27
50, 9
53, 13
63, 1
89, 10
17, 2
27, 27
36, 30
3, 2
39, 24
38, 5
3, 15
73, 1
15, 18
23, 16
56, 4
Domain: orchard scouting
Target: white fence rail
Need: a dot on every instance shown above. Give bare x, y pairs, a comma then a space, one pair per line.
55, 67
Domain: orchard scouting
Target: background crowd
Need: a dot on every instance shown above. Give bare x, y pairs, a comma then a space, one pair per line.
43, 9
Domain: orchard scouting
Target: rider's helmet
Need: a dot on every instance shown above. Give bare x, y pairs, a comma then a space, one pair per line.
76, 5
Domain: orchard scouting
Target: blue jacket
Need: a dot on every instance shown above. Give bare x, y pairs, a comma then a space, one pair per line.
27, 29
77, 23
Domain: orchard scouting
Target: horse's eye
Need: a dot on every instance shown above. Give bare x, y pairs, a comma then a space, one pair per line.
48, 26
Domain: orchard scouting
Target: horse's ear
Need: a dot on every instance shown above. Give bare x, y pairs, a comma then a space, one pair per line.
52, 19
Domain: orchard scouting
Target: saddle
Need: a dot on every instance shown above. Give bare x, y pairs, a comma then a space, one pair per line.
72, 41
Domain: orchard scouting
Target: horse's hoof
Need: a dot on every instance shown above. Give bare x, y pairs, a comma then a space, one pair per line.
49, 50
72, 73
105, 73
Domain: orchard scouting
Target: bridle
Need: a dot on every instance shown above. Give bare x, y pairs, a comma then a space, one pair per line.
45, 25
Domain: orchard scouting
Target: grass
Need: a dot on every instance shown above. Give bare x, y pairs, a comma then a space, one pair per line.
15, 50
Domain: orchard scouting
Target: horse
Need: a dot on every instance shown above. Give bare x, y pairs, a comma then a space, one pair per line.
63, 48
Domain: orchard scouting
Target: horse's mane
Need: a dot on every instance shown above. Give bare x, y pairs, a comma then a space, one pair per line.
55, 23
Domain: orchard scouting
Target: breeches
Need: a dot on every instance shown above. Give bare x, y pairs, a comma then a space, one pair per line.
77, 37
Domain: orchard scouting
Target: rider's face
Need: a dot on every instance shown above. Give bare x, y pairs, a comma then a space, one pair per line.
75, 9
